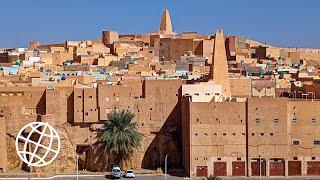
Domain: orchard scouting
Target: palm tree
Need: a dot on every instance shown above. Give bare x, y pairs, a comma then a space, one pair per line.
120, 136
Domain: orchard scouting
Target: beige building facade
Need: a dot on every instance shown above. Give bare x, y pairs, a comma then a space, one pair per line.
236, 138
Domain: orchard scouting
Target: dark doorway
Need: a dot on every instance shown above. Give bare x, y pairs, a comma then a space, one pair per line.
238, 168
277, 168
294, 168
83, 154
255, 167
202, 171
313, 168
220, 168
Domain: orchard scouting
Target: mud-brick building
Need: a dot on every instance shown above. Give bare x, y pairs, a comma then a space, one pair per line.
79, 112
213, 137
156, 105
278, 136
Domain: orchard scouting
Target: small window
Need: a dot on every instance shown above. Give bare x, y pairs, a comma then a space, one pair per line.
90, 97
294, 120
313, 120
239, 159
224, 134
295, 142
196, 94
219, 159
233, 134
252, 134
295, 158
217, 94
196, 134
79, 96
87, 114
316, 142
261, 134
107, 98
271, 134
313, 158
257, 121
276, 121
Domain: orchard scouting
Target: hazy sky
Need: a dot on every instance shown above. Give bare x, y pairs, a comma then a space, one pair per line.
280, 22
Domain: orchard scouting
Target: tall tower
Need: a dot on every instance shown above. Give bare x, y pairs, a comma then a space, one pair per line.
219, 65
166, 26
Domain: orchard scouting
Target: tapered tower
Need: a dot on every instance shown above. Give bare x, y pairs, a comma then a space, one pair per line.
166, 26
219, 65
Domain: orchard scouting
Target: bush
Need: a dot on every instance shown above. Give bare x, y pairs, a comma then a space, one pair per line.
213, 178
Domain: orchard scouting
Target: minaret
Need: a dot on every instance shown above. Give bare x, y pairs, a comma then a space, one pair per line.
166, 26
219, 65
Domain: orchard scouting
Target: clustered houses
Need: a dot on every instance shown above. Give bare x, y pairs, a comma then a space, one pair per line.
218, 105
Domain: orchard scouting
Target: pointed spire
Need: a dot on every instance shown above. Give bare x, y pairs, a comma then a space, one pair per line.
219, 66
166, 26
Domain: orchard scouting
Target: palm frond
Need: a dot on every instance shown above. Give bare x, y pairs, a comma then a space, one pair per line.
120, 136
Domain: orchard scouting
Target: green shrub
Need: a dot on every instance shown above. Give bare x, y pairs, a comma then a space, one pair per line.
213, 178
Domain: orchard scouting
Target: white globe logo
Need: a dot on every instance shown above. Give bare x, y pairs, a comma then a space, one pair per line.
37, 144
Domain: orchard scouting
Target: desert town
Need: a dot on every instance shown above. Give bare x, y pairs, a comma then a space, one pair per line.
219, 105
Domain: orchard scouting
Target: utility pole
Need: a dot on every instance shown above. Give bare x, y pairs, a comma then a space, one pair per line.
165, 166
77, 162
260, 166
